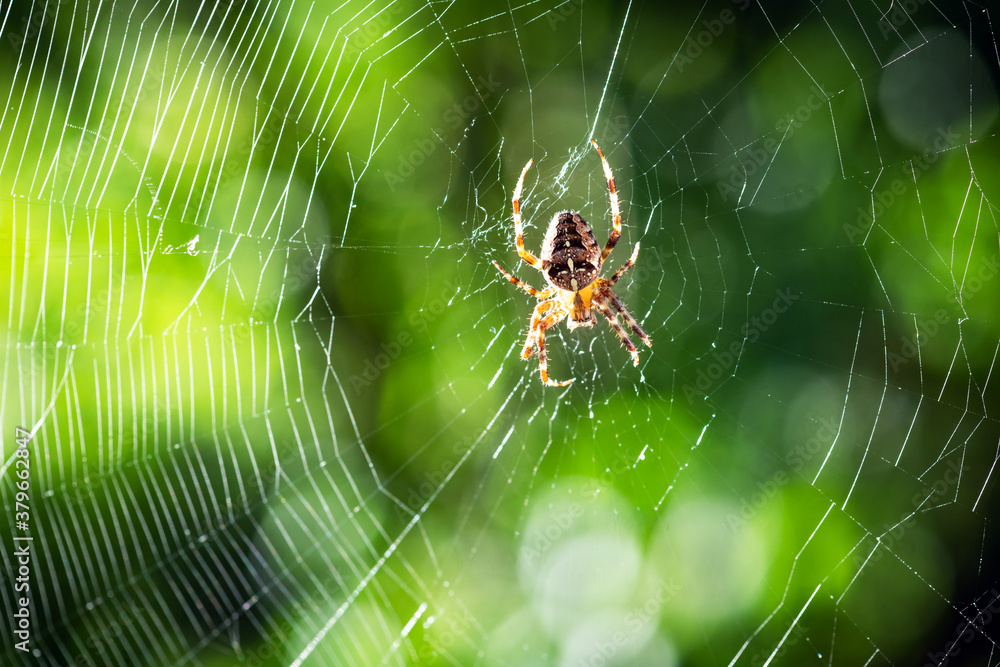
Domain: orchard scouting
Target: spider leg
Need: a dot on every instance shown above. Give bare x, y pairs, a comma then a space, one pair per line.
538, 294
602, 305
542, 319
543, 366
518, 227
631, 321
537, 316
628, 265
616, 214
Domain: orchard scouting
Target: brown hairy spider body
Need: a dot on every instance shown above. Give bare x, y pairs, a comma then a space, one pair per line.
571, 262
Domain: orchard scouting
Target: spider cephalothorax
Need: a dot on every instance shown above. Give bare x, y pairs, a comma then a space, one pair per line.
571, 263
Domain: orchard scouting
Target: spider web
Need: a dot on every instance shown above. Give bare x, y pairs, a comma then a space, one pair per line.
272, 382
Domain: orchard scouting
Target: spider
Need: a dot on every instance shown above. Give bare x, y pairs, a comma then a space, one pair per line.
571, 262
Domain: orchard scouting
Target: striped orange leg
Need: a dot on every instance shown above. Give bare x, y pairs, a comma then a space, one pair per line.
518, 227
616, 325
537, 316
616, 214
628, 265
633, 324
543, 361
538, 294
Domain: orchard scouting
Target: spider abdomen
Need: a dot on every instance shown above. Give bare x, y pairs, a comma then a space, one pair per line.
570, 255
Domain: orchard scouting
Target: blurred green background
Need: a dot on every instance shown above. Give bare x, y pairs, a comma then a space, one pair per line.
273, 378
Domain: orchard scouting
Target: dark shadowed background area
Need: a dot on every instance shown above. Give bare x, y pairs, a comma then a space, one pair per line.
272, 380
